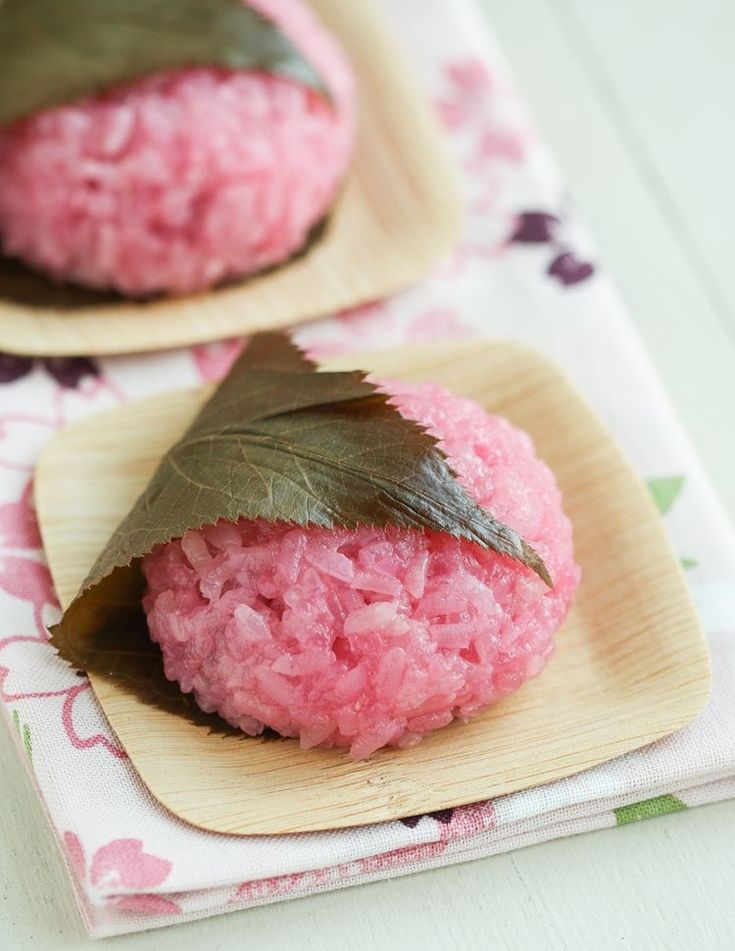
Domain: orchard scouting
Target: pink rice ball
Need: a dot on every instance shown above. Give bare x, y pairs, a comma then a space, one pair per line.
369, 637
184, 179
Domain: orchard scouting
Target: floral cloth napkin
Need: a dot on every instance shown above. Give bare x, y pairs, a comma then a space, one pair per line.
524, 269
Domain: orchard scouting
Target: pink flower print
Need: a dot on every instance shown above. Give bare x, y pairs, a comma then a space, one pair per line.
471, 104
367, 323
452, 824
122, 864
399, 858
18, 525
30, 581
498, 142
264, 888
213, 360
469, 85
77, 740
75, 852
438, 323
470, 75
363, 327
489, 136
27, 579
470, 820
153, 905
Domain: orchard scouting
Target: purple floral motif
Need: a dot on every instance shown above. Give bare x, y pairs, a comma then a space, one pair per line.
542, 227
70, 371
569, 269
534, 227
13, 367
67, 371
441, 815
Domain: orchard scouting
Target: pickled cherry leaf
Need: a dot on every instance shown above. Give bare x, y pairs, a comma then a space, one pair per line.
57, 51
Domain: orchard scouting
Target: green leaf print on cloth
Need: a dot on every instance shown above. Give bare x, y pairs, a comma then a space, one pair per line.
648, 809
665, 491
25, 734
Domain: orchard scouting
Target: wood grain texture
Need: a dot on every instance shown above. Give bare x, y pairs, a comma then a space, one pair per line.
631, 665
399, 212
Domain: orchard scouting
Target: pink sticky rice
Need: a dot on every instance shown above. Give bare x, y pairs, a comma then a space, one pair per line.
365, 638
184, 179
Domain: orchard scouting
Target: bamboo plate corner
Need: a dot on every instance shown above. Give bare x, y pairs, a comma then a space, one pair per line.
398, 213
631, 664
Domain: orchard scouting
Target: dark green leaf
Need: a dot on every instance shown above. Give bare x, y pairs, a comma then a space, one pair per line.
56, 51
270, 351
281, 442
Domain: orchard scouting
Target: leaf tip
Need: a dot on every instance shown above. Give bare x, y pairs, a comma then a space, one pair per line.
535, 562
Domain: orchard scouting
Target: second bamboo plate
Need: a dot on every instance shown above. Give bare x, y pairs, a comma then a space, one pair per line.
399, 212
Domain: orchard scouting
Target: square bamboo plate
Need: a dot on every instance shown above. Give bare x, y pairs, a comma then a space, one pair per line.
398, 213
631, 664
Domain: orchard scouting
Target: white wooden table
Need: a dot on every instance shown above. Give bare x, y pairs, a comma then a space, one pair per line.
635, 98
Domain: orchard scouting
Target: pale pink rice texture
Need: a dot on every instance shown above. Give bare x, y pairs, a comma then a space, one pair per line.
370, 637
182, 180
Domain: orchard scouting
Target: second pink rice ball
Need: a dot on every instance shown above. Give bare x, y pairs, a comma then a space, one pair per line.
184, 179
